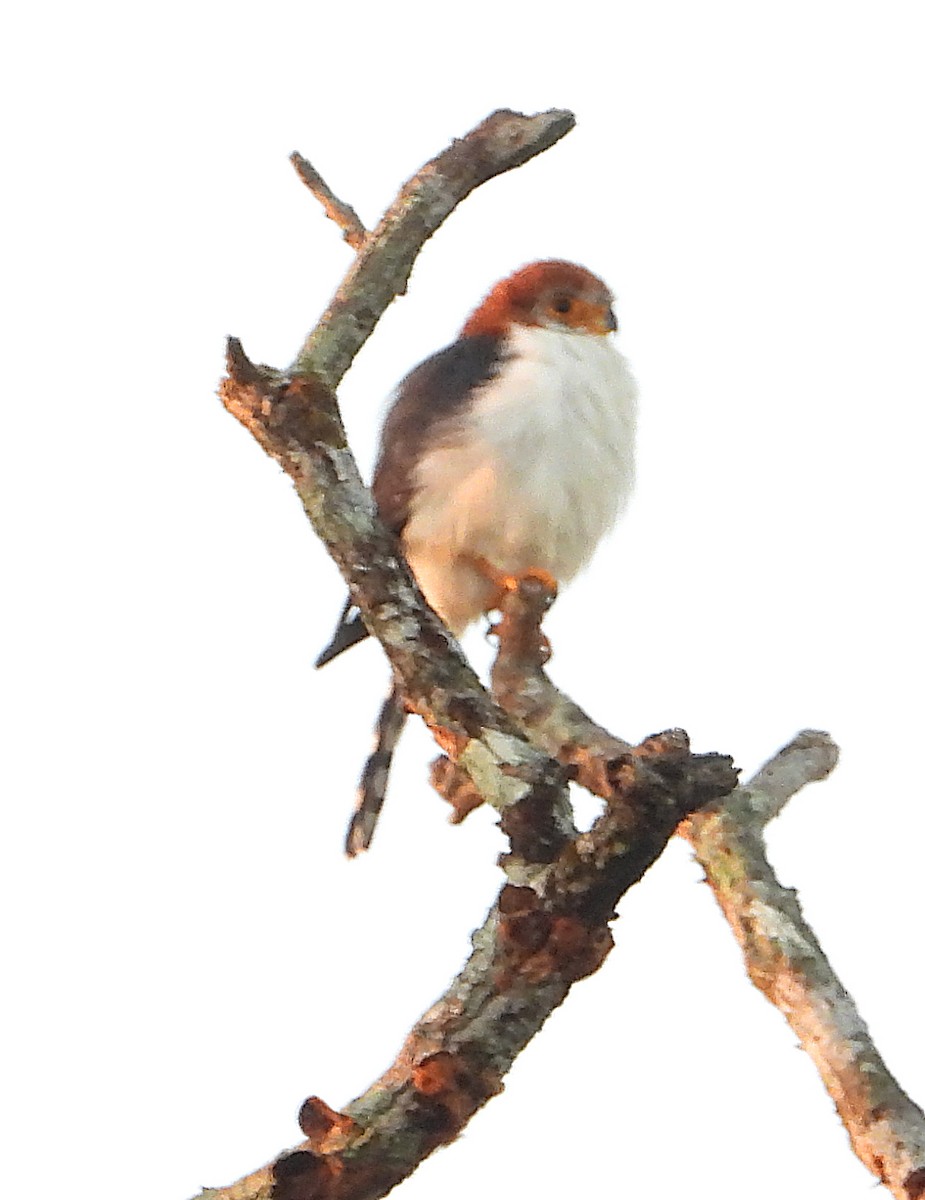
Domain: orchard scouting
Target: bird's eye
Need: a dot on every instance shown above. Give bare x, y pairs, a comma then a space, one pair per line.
562, 304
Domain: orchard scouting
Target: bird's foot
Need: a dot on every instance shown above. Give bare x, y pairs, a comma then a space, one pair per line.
549, 583
510, 581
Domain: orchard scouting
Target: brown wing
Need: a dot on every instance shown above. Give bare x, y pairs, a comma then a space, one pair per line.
429, 401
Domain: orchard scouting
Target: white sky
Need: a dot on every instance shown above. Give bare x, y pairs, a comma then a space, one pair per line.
189, 954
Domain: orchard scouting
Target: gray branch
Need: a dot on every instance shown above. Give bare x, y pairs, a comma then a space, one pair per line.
782, 956
785, 961
549, 927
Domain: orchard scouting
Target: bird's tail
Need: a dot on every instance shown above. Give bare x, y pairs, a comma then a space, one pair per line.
350, 630
375, 777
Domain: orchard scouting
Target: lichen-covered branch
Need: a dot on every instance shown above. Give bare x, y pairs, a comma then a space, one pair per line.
295, 418
782, 955
550, 924
536, 942
525, 691
785, 961
297, 422
550, 719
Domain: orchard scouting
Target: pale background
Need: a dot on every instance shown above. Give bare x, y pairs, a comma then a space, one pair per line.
187, 953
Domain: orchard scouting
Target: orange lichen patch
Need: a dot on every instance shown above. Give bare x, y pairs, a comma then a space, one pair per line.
593, 770
599, 772
437, 1074
324, 1126
449, 1091
671, 743
451, 741
456, 788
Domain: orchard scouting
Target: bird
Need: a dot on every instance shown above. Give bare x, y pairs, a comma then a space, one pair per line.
508, 453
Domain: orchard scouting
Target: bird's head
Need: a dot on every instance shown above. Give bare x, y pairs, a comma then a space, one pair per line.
552, 295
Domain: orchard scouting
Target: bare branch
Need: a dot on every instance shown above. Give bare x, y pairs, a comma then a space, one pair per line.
809, 758
533, 946
549, 926
298, 423
380, 271
353, 229
785, 961
782, 955
295, 418
524, 690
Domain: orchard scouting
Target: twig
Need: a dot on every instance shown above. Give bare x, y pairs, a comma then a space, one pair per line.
353, 229
381, 269
809, 758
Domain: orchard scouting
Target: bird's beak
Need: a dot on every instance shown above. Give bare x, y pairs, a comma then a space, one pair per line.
610, 321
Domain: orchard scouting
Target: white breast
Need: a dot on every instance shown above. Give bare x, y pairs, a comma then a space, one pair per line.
533, 475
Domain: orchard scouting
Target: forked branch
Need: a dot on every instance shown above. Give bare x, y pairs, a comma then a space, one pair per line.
549, 926
782, 955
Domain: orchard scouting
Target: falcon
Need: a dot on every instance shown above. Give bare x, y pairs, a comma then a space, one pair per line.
508, 453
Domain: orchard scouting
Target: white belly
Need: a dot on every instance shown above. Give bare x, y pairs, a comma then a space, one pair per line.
533, 476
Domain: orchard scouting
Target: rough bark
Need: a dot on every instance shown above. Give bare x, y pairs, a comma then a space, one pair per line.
785, 961
517, 752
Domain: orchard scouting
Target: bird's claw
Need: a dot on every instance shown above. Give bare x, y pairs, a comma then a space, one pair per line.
510, 581
547, 582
